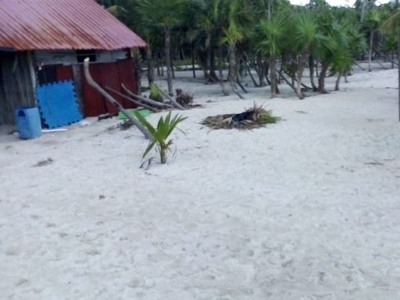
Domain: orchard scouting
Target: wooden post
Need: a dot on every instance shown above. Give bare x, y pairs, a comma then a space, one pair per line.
32, 70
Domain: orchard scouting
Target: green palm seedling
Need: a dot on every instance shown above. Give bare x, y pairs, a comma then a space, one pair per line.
160, 134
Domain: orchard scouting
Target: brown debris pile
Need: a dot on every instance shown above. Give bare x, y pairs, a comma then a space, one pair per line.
254, 117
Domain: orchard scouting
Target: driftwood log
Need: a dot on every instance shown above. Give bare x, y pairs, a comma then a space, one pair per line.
132, 100
145, 100
174, 103
110, 99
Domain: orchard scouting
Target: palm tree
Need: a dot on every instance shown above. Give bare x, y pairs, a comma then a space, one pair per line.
306, 36
233, 33
372, 22
208, 22
341, 62
165, 15
392, 25
270, 34
325, 50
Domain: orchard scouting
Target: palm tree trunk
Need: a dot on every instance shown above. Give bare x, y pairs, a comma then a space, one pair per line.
398, 66
260, 69
137, 72
322, 76
150, 66
232, 63
161, 63
213, 75
266, 71
371, 42
221, 72
220, 64
392, 59
208, 64
302, 64
311, 67
168, 59
299, 93
193, 66
158, 66
172, 66
272, 64
338, 81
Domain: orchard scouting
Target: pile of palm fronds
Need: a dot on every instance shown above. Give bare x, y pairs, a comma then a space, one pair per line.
254, 117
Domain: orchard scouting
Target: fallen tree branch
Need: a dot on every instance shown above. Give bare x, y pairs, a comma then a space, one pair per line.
174, 103
114, 102
146, 100
132, 100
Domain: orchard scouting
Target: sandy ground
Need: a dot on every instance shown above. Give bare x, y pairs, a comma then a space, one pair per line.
305, 209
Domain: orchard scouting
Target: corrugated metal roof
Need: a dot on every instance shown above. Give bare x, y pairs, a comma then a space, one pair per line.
62, 24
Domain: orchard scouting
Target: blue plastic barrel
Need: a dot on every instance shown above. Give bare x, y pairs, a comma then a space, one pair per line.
28, 122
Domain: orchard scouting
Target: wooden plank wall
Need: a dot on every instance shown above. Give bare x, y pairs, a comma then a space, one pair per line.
111, 75
16, 87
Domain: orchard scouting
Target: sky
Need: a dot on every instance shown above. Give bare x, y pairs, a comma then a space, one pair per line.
337, 2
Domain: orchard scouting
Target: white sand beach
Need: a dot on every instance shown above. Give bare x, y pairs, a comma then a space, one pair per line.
305, 209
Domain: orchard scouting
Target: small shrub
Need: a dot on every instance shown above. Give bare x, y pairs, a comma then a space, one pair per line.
155, 93
160, 134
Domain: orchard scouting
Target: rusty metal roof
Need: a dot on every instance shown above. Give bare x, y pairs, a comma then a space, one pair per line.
62, 25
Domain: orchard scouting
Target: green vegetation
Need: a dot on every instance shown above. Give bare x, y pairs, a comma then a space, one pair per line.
275, 39
160, 134
155, 93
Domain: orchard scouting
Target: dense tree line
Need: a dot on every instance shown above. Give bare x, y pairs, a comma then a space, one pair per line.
276, 39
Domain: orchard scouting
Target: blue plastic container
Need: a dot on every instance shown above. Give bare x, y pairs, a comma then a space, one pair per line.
28, 122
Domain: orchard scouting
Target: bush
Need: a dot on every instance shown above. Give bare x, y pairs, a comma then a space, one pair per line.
155, 93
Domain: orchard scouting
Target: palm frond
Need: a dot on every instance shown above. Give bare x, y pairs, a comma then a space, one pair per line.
392, 24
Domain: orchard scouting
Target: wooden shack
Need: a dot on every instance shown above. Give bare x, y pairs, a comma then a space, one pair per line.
47, 41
